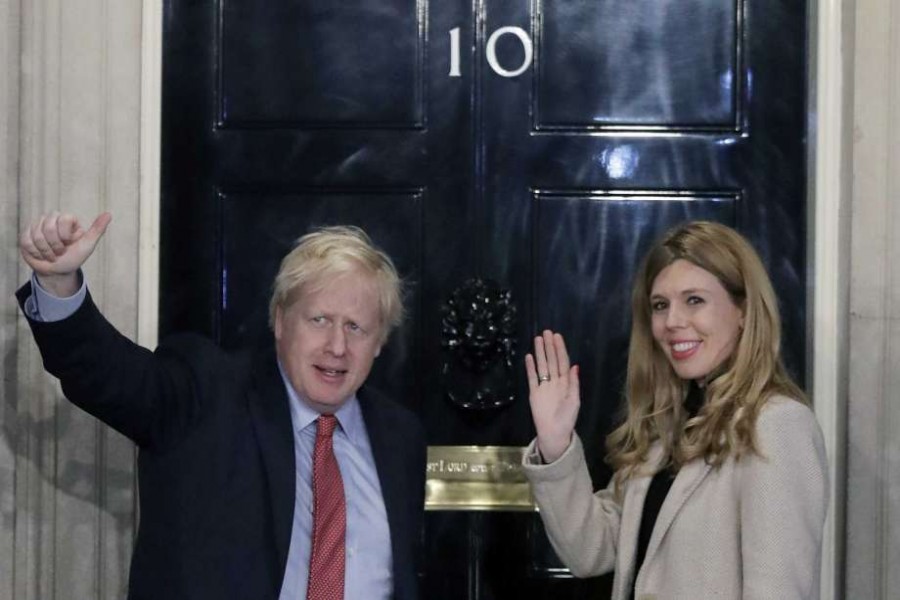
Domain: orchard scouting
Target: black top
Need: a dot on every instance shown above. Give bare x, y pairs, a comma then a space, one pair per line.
659, 487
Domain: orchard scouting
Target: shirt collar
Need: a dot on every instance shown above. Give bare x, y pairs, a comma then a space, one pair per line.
349, 415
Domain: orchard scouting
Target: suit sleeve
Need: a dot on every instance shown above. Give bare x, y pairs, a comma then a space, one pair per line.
146, 396
784, 500
583, 526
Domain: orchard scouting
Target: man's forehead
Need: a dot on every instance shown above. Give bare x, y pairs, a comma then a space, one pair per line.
355, 282
358, 292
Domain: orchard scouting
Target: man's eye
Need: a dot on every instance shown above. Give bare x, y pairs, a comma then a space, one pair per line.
318, 320
354, 328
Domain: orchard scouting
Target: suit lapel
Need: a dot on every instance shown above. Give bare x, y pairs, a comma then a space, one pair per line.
387, 463
271, 418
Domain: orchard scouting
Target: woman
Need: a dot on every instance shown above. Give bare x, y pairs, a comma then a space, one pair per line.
720, 486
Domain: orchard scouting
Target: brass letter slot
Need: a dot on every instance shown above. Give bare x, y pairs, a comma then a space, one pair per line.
477, 478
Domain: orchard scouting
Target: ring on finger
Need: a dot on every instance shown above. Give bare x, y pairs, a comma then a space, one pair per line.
543, 378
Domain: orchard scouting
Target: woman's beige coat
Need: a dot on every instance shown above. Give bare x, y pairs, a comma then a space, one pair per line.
749, 529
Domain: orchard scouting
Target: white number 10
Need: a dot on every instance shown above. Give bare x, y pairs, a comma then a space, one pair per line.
491, 51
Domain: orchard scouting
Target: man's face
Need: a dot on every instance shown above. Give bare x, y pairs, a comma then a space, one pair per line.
328, 338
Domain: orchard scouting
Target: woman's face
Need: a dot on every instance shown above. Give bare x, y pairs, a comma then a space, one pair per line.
693, 319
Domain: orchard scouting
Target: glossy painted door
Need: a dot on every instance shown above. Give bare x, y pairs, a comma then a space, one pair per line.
539, 145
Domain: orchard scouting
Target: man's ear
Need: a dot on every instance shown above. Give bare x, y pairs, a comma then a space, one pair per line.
279, 315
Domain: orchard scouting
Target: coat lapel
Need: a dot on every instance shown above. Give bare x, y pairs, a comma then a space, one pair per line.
271, 418
688, 479
632, 509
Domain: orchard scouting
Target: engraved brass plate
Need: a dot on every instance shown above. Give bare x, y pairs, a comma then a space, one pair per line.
477, 478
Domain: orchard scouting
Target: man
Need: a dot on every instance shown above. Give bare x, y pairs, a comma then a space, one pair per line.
262, 475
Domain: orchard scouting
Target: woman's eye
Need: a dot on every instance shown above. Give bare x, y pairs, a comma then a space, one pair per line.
658, 305
695, 300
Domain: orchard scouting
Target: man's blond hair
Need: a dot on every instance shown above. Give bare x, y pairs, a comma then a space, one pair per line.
329, 252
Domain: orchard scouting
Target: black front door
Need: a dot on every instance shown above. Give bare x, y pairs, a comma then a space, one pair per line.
539, 146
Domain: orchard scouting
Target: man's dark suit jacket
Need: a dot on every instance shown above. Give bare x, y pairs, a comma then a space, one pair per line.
216, 461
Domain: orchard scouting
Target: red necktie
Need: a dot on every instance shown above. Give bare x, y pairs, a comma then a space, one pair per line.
326, 562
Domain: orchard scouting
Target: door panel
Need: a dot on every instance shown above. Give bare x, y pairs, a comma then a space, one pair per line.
356, 64
581, 242
539, 145
610, 64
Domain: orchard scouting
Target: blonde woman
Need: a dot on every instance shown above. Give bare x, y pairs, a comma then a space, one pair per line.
720, 471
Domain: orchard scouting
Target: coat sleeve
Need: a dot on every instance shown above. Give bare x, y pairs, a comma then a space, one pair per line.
783, 500
150, 397
583, 526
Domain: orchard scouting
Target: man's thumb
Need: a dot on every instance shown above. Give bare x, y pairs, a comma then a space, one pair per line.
98, 227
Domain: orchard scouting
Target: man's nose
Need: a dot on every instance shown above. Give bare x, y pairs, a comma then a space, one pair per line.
337, 341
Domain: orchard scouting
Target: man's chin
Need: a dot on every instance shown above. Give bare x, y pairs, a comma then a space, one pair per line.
327, 404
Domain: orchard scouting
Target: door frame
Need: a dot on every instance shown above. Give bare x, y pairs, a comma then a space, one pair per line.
828, 249
828, 262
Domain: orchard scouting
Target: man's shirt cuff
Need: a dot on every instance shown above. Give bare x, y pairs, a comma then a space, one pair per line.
44, 306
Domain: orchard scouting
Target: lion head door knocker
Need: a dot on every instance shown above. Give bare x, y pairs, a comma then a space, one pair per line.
479, 346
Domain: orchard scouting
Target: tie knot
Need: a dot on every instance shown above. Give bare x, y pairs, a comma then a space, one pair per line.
325, 425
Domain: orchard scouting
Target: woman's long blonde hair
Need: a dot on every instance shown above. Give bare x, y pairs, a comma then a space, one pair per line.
654, 394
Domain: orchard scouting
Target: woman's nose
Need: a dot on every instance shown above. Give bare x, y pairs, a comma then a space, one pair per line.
675, 316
